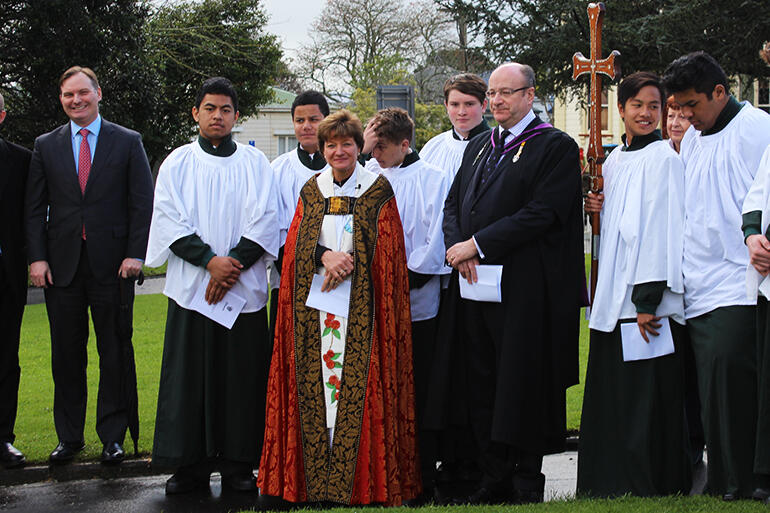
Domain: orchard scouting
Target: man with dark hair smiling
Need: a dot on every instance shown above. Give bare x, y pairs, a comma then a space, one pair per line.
637, 423
721, 153
215, 221
87, 213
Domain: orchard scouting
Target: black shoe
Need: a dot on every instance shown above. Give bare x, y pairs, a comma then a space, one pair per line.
488, 496
240, 482
760, 494
113, 453
65, 451
184, 483
730, 497
10, 456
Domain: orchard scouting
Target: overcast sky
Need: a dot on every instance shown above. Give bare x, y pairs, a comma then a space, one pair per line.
290, 20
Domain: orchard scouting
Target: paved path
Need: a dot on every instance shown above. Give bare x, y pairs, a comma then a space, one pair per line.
146, 494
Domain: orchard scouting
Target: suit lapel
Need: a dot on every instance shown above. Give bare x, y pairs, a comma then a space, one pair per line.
64, 148
470, 191
504, 164
101, 154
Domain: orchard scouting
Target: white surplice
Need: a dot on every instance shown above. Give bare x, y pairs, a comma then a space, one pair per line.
758, 198
445, 152
641, 233
719, 169
420, 189
220, 199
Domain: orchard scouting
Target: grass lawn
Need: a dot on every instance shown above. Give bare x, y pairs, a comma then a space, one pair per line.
35, 432
698, 504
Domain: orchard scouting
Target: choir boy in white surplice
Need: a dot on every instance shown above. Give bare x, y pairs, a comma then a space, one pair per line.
420, 190
465, 102
215, 222
640, 281
721, 153
293, 169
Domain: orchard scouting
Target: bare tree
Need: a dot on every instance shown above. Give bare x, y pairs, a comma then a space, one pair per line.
357, 44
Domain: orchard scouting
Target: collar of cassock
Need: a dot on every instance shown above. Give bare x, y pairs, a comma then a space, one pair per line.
316, 162
481, 127
640, 141
731, 110
410, 158
225, 149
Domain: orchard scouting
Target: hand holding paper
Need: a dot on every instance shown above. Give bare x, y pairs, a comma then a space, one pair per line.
487, 288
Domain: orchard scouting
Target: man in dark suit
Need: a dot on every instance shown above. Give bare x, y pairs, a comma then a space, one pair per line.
88, 210
515, 202
13, 287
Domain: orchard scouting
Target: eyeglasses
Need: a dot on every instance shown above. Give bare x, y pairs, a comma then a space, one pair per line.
505, 92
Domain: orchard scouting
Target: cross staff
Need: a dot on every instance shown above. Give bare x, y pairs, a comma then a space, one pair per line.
594, 66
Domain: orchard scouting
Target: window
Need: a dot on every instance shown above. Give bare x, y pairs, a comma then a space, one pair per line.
763, 94
286, 143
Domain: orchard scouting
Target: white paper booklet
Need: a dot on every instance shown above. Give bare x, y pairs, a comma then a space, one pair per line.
635, 348
225, 312
336, 301
487, 288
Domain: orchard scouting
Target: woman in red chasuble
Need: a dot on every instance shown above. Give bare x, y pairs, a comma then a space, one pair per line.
340, 420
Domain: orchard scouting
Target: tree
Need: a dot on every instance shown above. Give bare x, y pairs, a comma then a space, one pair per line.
150, 61
648, 33
40, 39
190, 41
359, 44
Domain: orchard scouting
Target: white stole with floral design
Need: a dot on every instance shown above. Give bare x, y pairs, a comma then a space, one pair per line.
337, 235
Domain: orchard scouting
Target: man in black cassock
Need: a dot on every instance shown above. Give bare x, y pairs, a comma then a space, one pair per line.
515, 202
13, 287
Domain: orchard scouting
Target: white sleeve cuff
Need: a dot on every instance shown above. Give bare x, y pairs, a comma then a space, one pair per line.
478, 248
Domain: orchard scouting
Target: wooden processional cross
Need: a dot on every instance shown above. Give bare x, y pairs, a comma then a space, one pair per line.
594, 66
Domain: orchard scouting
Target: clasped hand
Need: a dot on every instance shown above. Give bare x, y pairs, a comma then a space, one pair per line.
338, 265
225, 272
759, 253
463, 256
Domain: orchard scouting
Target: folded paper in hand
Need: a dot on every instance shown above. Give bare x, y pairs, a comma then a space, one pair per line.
487, 288
336, 301
225, 312
635, 348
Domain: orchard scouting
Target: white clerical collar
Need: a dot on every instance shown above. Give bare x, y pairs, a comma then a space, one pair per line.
519, 127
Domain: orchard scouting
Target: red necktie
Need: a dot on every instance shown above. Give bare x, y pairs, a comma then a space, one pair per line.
84, 165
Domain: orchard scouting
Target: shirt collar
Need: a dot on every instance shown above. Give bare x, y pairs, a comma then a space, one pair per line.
640, 141
410, 158
226, 148
316, 161
730, 110
94, 127
519, 127
481, 127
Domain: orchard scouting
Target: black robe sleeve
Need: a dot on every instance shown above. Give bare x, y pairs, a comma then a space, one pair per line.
752, 224
192, 249
246, 252
647, 296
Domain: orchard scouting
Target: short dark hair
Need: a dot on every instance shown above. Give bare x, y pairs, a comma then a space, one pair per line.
342, 123
697, 70
393, 124
466, 83
310, 97
217, 85
634, 83
74, 70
